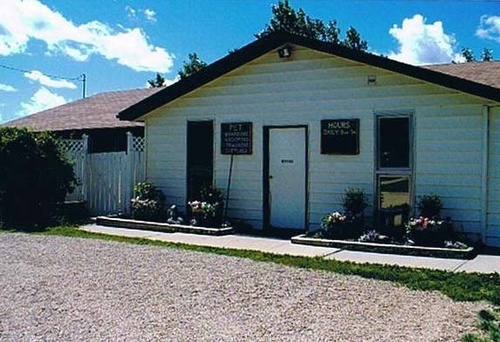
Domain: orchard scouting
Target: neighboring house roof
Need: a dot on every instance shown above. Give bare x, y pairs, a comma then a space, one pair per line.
93, 112
275, 40
487, 73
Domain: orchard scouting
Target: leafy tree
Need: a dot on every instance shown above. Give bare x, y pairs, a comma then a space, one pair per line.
468, 54
354, 41
193, 65
487, 55
157, 82
285, 18
34, 177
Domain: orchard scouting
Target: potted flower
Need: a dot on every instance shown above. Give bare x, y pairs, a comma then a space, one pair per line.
335, 225
208, 209
350, 224
429, 229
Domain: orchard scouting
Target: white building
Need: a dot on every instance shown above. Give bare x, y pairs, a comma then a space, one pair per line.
314, 119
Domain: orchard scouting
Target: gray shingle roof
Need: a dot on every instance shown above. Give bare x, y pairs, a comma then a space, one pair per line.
487, 73
96, 111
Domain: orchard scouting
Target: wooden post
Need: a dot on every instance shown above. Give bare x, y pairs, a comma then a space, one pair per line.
228, 186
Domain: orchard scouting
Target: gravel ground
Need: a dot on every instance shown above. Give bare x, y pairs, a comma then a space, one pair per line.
66, 289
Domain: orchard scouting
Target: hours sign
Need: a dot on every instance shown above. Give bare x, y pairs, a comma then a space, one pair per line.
340, 136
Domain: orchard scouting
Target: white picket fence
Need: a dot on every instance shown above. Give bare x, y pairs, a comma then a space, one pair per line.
106, 180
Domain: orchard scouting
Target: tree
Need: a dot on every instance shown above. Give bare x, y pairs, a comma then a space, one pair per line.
468, 54
34, 177
487, 55
157, 82
353, 40
193, 65
285, 18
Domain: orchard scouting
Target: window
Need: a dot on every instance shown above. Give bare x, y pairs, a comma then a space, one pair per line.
394, 143
394, 169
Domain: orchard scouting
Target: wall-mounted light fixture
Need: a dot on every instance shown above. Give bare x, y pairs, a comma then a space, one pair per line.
285, 51
371, 80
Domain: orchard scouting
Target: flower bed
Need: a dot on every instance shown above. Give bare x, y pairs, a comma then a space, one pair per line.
386, 248
426, 235
123, 222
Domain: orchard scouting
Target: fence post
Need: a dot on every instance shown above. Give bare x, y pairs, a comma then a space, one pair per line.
128, 176
85, 172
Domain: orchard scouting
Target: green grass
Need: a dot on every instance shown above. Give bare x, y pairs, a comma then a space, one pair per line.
489, 326
458, 286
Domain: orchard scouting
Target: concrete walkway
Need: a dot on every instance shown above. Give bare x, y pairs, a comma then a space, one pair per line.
481, 263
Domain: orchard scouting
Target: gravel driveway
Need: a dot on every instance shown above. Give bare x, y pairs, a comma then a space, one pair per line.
66, 289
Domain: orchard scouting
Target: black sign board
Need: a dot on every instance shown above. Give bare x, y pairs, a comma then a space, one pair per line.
340, 136
236, 138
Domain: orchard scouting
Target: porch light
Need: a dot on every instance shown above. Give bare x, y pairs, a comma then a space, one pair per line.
371, 80
285, 52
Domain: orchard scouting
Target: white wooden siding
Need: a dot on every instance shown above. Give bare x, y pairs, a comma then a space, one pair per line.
493, 208
449, 161
303, 91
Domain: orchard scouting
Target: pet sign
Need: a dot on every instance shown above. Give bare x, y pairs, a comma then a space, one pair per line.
236, 138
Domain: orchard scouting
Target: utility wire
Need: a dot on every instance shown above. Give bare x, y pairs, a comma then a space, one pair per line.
82, 77
79, 78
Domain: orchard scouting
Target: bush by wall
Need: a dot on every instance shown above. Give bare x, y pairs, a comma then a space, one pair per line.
148, 203
34, 177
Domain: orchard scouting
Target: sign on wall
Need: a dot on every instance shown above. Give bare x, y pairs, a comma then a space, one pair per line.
236, 138
340, 136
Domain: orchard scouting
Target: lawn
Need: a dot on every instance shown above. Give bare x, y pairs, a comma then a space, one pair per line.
457, 286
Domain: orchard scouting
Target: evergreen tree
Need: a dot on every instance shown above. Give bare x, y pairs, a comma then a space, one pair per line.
285, 18
193, 65
157, 82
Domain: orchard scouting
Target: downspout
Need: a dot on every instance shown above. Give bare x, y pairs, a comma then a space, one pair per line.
484, 173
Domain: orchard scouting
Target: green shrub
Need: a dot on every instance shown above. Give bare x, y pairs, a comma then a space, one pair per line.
148, 203
208, 209
34, 177
430, 206
354, 202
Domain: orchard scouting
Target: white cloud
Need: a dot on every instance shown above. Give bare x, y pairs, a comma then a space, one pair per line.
150, 15
7, 88
27, 20
421, 43
489, 28
130, 11
41, 100
45, 80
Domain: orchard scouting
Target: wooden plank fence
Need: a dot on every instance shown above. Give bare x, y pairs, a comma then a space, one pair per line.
106, 180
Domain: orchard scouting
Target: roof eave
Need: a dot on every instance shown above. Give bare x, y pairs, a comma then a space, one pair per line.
200, 78
264, 45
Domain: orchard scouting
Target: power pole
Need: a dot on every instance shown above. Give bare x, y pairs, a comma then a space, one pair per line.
84, 85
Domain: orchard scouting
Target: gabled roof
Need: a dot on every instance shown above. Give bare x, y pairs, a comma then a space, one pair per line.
96, 111
275, 40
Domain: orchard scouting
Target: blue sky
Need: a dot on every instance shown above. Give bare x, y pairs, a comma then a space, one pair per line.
45, 45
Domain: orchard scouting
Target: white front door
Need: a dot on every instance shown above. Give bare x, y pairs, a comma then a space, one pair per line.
287, 178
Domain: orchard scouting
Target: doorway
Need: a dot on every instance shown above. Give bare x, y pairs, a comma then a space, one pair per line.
200, 157
394, 171
285, 177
